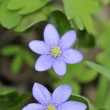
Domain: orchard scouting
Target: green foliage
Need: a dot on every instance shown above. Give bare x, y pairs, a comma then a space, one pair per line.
86, 40
9, 19
11, 99
62, 25
20, 55
11, 50
22, 14
101, 93
106, 2
27, 6
74, 76
16, 63
29, 20
83, 100
81, 10
99, 69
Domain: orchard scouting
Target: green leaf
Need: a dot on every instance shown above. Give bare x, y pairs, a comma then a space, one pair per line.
16, 63
0, 0
75, 87
49, 9
101, 92
107, 101
29, 58
103, 59
16, 4
79, 70
78, 22
29, 20
57, 16
89, 75
10, 50
79, 98
85, 39
99, 69
9, 19
11, 100
27, 6
7, 91
75, 7
92, 6
22, 98
33, 5
106, 2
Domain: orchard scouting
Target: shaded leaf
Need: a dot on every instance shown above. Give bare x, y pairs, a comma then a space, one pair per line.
22, 98
7, 91
9, 19
16, 63
83, 100
29, 58
10, 50
55, 18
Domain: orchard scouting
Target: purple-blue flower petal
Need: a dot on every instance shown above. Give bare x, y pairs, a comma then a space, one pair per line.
51, 35
39, 47
68, 39
59, 67
41, 93
72, 105
61, 94
43, 63
72, 56
33, 106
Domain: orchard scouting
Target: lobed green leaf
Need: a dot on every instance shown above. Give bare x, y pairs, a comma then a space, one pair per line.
8, 19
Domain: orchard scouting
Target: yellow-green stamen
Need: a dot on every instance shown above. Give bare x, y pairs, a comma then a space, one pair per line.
50, 108
55, 51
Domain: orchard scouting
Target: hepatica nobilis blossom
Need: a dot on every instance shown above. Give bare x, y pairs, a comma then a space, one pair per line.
54, 51
56, 101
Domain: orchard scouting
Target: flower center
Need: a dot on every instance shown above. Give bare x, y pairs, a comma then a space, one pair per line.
50, 108
55, 51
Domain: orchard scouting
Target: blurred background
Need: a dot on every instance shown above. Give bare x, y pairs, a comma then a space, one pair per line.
23, 21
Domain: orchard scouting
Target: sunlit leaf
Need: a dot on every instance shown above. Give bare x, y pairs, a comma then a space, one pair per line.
75, 8
106, 2
29, 20
104, 58
87, 76
78, 22
101, 93
99, 68
17, 4
9, 19
33, 5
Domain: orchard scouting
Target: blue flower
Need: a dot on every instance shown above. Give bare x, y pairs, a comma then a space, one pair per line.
54, 51
56, 101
